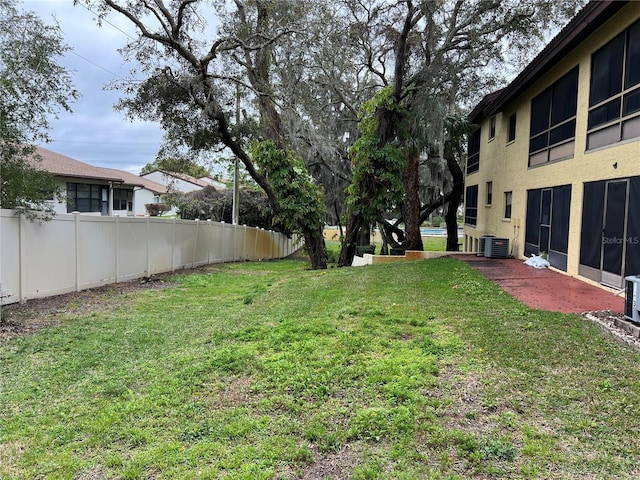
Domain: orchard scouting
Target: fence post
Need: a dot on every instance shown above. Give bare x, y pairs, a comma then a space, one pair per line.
173, 244
148, 245
117, 245
195, 245
76, 218
147, 218
270, 244
22, 281
223, 242
237, 250
281, 245
209, 233
244, 242
255, 244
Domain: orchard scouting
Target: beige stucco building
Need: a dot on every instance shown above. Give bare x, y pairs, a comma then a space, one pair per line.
554, 165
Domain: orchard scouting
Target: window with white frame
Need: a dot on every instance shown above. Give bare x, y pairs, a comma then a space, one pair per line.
86, 197
123, 199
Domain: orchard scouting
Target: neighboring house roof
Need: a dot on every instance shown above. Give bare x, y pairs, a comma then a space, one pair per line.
586, 21
213, 182
181, 176
64, 166
137, 181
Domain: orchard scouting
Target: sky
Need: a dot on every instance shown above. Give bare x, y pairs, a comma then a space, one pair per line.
95, 133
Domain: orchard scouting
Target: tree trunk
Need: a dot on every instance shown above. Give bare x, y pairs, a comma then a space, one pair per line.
455, 197
388, 121
350, 241
451, 219
412, 204
432, 207
259, 73
388, 230
316, 248
338, 219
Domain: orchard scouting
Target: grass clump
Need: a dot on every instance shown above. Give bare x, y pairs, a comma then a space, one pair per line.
268, 370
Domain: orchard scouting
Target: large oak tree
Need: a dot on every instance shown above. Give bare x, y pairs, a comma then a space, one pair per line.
432, 56
201, 60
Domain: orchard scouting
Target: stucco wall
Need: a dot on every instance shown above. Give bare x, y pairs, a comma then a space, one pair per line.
506, 164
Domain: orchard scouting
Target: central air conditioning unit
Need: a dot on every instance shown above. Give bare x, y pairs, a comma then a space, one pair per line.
632, 298
495, 247
482, 243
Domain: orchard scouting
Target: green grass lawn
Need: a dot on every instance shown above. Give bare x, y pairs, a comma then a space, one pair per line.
434, 244
271, 371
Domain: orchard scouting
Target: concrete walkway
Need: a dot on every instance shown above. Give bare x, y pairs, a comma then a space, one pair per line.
544, 289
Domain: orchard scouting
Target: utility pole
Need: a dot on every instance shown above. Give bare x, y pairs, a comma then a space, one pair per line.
235, 208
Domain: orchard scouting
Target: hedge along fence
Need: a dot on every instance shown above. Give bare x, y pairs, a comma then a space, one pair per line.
75, 252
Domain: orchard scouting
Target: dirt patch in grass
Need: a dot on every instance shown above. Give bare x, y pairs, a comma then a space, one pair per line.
93, 473
337, 465
232, 393
20, 320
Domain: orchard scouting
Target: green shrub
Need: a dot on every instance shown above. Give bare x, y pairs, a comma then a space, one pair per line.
156, 209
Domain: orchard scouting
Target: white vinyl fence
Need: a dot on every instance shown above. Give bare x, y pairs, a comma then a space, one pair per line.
75, 252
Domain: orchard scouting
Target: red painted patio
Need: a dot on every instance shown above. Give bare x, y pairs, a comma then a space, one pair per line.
544, 288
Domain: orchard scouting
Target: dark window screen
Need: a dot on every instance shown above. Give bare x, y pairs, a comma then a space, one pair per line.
532, 235
545, 209
540, 106
512, 128
632, 262
591, 233
473, 156
553, 114
615, 75
560, 218
565, 97
613, 241
631, 102
632, 76
606, 70
471, 205
605, 113
508, 203
548, 212
563, 132
538, 143
544, 239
